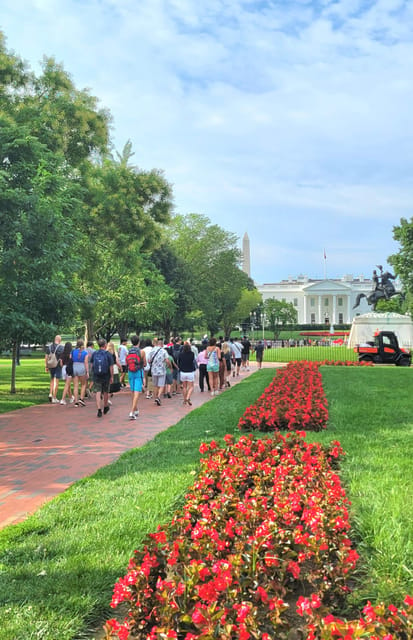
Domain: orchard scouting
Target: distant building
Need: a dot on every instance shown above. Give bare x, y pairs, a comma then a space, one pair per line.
321, 301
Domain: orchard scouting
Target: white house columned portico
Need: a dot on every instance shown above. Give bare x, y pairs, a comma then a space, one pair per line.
326, 302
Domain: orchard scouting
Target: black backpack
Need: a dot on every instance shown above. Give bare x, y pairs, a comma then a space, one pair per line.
101, 363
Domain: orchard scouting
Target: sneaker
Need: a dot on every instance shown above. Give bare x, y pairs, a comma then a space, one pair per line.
132, 416
72, 399
110, 402
50, 397
82, 403
168, 395
99, 413
212, 393
106, 409
76, 404
63, 402
136, 413
55, 401
158, 401
148, 396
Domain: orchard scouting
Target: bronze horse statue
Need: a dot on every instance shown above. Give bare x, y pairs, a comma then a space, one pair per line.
384, 290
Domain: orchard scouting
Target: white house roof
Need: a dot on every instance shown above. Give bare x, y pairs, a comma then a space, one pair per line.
326, 285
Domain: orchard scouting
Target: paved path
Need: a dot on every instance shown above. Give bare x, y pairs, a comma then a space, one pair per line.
45, 448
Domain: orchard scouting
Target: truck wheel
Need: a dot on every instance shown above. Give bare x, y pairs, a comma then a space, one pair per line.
366, 359
404, 362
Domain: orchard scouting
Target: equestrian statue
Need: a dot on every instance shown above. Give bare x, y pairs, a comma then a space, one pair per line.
383, 288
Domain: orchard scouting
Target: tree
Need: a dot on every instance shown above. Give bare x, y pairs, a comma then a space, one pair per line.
125, 209
212, 259
403, 260
279, 313
47, 130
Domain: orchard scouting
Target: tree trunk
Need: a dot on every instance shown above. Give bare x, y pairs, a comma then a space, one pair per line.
13, 368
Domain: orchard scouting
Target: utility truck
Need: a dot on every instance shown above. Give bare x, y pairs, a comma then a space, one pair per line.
384, 349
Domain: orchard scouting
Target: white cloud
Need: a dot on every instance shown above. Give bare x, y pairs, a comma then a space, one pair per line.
257, 112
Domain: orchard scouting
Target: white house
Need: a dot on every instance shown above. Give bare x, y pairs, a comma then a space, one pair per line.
326, 302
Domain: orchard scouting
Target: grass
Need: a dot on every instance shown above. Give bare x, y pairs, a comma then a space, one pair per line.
314, 354
370, 414
57, 569
32, 383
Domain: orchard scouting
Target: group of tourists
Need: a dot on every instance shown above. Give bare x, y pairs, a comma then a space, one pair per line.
160, 370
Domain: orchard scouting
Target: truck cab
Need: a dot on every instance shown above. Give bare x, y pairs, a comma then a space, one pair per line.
384, 349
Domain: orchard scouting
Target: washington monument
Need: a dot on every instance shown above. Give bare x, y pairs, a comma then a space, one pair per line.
246, 264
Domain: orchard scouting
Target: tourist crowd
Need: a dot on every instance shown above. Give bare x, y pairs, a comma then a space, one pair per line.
158, 370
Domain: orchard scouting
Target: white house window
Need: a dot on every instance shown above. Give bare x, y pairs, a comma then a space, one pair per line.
312, 302
340, 318
296, 302
313, 318
326, 302
340, 302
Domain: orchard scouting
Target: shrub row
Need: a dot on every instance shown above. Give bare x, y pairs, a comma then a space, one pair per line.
295, 399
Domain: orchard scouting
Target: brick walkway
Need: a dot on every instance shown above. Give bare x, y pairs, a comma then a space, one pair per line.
45, 448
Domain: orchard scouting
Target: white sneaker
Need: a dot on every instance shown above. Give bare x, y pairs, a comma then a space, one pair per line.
109, 402
55, 401
132, 416
136, 413
72, 399
63, 402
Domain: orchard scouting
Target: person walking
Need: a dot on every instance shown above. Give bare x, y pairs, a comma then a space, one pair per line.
227, 357
122, 353
187, 366
102, 363
157, 360
67, 372
259, 351
245, 355
80, 357
90, 349
202, 362
147, 349
213, 353
53, 365
115, 385
236, 348
136, 362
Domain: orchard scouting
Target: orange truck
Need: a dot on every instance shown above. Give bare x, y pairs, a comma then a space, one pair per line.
384, 350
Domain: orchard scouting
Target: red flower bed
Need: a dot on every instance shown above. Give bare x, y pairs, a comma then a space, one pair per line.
265, 523
295, 399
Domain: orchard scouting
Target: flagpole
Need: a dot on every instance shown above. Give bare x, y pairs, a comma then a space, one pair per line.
325, 265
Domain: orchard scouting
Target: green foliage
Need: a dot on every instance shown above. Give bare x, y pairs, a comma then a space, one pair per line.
278, 314
403, 260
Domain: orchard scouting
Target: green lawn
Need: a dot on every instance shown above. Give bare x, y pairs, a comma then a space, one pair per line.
32, 383
57, 569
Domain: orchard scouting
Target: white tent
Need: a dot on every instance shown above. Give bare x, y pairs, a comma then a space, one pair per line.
365, 326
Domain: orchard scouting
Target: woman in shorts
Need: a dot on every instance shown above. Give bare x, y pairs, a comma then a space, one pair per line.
80, 358
187, 366
213, 353
67, 372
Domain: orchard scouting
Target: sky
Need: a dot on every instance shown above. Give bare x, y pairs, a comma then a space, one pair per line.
289, 120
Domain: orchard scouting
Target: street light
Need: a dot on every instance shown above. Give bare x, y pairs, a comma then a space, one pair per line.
253, 321
263, 319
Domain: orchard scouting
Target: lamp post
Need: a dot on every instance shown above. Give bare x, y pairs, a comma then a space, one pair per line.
253, 319
263, 319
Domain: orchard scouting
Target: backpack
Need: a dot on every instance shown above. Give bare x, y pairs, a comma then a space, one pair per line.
100, 363
213, 358
134, 361
52, 361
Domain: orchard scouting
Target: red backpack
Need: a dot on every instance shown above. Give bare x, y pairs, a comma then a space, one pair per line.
134, 360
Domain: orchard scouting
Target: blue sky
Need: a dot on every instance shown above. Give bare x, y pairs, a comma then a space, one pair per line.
290, 120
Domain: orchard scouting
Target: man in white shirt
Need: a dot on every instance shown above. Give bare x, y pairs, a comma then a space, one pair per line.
236, 348
122, 353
